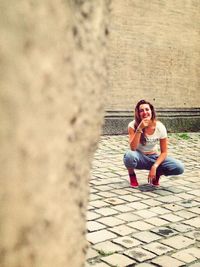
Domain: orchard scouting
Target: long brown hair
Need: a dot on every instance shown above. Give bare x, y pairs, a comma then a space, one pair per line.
138, 119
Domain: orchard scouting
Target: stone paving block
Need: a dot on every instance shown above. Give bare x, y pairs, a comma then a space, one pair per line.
94, 226
110, 221
178, 242
195, 210
104, 182
118, 260
173, 207
93, 190
186, 187
195, 192
129, 198
112, 181
99, 182
91, 253
106, 194
163, 192
151, 194
195, 265
139, 254
103, 188
119, 186
90, 208
114, 201
145, 213
159, 210
175, 190
193, 222
164, 231
138, 205
107, 247
141, 225
188, 203
166, 261
157, 248
180, 227
141, 196
98, 203
120, 192
100, 236
98, 264
186, 196
187, 255
92, 215
169, 199
185, 214
94, 197
106, 211
122, 208
123, 230
194, 235
128, 217
146, 236
171, 217
156, 221
144, 265
151, 202
127, 242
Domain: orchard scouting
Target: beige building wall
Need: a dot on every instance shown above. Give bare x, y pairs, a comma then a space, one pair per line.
154, 54
53, 76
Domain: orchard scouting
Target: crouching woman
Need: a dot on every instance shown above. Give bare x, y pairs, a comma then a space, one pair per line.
145, 134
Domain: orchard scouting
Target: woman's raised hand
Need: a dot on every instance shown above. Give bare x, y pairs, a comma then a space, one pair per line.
144, 123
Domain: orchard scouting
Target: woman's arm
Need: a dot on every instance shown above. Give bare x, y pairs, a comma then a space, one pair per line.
163, 151
160, 159
134, 138
134, 135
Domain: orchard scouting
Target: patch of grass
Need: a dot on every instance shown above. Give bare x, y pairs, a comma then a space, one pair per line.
184, 136
103, 253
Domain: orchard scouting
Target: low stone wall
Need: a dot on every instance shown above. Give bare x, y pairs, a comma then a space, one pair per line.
175, 120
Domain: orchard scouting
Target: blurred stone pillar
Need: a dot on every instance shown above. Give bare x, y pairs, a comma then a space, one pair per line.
52, 81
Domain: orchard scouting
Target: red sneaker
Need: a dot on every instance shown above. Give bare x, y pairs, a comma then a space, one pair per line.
133, 180
155, 182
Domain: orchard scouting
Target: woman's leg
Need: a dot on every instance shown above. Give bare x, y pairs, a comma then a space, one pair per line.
171, 166
137, 160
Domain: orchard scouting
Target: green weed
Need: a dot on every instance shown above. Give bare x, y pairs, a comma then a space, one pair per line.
184, 136
103, 253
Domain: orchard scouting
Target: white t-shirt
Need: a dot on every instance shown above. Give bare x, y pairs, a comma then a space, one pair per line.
153, 139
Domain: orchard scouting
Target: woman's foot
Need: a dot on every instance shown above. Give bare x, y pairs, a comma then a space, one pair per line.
133, 180
155, 182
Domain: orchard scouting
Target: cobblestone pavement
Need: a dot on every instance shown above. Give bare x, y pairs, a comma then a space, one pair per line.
146, 226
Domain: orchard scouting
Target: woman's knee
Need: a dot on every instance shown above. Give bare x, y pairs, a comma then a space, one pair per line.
130, 159
180, 167
173, 167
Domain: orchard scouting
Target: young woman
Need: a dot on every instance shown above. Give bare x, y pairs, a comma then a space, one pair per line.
145, 132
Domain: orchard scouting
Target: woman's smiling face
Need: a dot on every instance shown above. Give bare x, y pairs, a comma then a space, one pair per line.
145, 112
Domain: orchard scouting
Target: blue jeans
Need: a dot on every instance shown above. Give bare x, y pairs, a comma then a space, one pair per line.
140, 161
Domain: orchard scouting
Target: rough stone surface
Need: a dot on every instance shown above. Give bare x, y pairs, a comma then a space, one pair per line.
154, 54
53, 76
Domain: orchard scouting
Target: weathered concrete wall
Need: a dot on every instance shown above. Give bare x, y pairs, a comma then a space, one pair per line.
52, 76
154, 53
